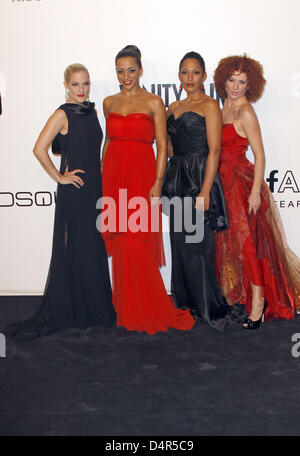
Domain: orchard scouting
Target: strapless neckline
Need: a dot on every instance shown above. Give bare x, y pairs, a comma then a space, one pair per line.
139, 114
186, 169
186, 112
134, 127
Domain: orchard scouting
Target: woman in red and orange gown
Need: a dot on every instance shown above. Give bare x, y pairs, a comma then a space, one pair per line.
254, 263
131, 178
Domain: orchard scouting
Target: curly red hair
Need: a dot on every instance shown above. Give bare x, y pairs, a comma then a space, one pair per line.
242, 64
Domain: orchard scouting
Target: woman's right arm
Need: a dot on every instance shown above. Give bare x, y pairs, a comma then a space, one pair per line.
170, 148
106, 109
53, 126
213, 118
170, 111
173, 106
106, 142
252, 130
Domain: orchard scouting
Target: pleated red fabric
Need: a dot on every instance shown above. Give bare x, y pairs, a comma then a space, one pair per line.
139, 295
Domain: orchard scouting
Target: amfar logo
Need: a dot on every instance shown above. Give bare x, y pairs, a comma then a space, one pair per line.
287, 184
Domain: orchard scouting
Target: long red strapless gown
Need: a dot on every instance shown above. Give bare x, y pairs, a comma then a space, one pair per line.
254, 248
139, 295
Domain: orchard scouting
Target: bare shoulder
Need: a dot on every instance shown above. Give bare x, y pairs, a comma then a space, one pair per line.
246, 110
107, 103
57, 122
210, 105
108, 100
58, 114
210, 109
156, 102
173, 107
59, 117
246, 114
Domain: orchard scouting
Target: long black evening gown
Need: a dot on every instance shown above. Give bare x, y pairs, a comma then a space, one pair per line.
78, 290
193, 282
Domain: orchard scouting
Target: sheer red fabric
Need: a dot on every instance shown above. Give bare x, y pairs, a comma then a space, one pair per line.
139, 295
254, 248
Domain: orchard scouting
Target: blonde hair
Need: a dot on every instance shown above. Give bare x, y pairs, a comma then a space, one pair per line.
73, 68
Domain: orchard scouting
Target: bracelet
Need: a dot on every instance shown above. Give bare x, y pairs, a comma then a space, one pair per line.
159, 178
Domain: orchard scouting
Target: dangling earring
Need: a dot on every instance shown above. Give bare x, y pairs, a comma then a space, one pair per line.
67, 94
180, 88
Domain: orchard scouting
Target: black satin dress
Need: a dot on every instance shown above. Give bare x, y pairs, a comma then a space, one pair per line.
78, 290
193, 282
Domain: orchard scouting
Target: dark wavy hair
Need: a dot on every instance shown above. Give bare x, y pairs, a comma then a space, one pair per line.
130, 51
242, 64
193, 55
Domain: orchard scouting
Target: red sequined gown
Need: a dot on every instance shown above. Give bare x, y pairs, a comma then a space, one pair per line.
254, 248
139, 295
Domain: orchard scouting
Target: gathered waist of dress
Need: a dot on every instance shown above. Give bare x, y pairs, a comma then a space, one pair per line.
233, 158
187, 156
126, 139
238, 162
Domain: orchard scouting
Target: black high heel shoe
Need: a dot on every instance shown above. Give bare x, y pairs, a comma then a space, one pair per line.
255, 324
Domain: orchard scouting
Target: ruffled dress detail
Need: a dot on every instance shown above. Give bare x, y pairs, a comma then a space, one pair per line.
254, 248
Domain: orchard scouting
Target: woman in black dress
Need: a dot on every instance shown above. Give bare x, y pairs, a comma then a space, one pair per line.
194, 128
78, 290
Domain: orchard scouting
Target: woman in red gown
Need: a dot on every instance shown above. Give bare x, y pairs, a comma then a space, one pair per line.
254, 263
131, 178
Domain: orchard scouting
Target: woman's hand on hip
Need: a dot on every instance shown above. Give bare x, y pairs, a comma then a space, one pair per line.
70, 177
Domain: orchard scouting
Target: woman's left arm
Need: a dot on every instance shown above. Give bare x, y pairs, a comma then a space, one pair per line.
213, 119
252, 130
159, 117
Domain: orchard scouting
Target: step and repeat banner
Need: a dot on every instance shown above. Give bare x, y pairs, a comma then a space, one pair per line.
39, 38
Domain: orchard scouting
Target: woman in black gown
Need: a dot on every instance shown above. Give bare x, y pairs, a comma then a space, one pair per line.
78, 290
194, 127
